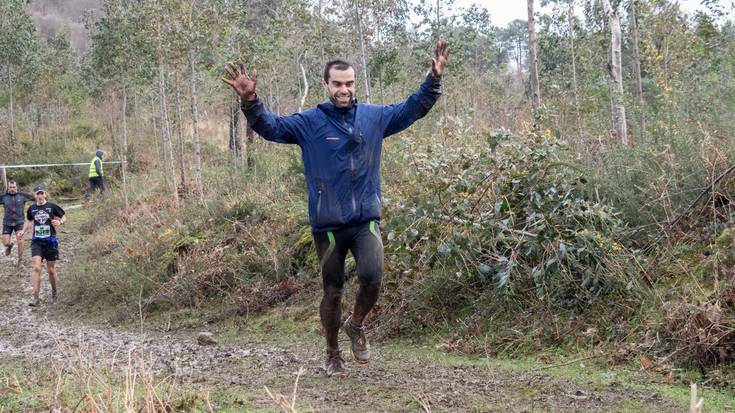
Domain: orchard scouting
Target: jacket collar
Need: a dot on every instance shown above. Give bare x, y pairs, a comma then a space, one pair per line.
328, 107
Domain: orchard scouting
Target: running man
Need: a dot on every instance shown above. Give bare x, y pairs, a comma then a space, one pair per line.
341, 142
14, 203
43, 220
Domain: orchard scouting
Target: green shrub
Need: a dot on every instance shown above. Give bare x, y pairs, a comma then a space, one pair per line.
507, 214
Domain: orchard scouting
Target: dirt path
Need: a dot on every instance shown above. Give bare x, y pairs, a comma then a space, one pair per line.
396, 380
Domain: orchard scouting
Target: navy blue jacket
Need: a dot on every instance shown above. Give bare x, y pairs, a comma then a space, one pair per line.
14, 207
341, 149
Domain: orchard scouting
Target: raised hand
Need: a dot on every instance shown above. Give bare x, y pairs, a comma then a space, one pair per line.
441, 57
243, 84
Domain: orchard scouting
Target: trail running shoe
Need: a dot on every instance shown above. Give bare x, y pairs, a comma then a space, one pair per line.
8, 248
35, 302
53, 295
360, 346
335, 365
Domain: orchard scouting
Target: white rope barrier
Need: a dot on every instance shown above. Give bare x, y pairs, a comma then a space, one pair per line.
53, 164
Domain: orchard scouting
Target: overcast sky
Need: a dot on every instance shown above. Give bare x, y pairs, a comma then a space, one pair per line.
504, 11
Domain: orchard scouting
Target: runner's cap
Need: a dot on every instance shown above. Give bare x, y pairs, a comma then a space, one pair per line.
39, 188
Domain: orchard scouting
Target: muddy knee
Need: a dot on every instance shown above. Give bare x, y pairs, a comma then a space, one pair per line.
332, 295
370, 277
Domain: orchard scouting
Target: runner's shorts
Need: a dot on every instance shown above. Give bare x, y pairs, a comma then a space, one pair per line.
8, 229
45, 250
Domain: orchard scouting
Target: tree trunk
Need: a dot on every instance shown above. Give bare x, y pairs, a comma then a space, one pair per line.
124, 141
519, 61
575, 85
533, 64
616, 73
179, 131
363, 60
136, 115
443, 96
168, 150
235, 143
195, 126
11, 123
250, 134
154, 128
34, 125
380, 72
306, 88
632, 16
113, 141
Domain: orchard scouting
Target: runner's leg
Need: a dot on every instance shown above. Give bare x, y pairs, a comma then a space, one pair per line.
19, 240
51, 268
367, 248
37, 267
331, 254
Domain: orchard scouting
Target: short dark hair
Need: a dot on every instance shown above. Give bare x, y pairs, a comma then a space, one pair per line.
12, 181
338, 64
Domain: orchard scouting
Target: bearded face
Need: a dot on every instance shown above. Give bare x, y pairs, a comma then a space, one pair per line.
341, 87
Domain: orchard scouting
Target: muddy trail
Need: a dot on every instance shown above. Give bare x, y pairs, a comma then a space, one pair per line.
399, 378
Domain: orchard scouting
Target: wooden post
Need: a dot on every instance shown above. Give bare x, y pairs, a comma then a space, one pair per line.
5, 177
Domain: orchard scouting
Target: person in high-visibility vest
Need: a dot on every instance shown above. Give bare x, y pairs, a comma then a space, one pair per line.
96, 174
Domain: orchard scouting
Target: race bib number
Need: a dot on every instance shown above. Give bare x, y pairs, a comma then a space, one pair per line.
42, 231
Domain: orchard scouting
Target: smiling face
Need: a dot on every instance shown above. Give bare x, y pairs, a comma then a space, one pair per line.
341, 86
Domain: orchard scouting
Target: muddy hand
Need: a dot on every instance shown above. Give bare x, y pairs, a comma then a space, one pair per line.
441, 57
238, 78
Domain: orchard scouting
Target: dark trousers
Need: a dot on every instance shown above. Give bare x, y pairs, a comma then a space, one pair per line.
96, 183
365, 243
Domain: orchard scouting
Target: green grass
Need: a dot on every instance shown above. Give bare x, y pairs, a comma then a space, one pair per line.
596, 372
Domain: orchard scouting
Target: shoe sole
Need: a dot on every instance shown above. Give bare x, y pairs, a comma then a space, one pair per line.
358, 361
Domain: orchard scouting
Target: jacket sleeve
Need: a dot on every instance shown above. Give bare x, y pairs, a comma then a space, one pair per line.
280, 129
97, 167
28, 197
400, 116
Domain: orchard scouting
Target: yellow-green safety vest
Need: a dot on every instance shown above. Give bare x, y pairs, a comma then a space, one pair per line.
93, 170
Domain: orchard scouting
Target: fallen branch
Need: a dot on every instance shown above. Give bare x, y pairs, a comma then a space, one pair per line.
709, 188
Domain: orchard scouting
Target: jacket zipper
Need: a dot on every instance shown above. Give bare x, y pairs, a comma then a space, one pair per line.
352, 162
318, 205
352, 173
15, 210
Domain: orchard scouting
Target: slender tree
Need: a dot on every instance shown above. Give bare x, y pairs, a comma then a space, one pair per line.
616, 73
533, 63
633, 18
